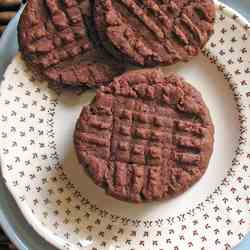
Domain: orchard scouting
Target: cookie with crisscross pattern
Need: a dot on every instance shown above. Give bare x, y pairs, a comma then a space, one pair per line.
145, 137
55, 41
154, 32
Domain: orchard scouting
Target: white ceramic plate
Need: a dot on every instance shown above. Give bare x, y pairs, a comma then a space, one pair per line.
67, 209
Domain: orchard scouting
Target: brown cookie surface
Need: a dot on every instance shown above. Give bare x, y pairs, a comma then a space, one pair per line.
54, 39
145, 137
154, 32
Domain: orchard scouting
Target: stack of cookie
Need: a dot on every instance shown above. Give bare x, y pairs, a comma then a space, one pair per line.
58, 41
145, 136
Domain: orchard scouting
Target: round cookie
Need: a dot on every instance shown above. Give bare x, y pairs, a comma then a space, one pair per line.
145, 136
154, 32
55, 42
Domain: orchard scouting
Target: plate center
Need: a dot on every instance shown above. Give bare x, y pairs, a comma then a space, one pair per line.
219, 98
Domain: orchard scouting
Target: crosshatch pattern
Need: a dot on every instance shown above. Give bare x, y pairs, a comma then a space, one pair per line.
135, 129
54, 39
153, 32
33, 173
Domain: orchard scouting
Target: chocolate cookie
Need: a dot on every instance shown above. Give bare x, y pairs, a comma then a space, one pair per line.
55, 41
145, 137
154, 32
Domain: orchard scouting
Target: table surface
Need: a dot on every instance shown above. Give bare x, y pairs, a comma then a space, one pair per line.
10, 217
